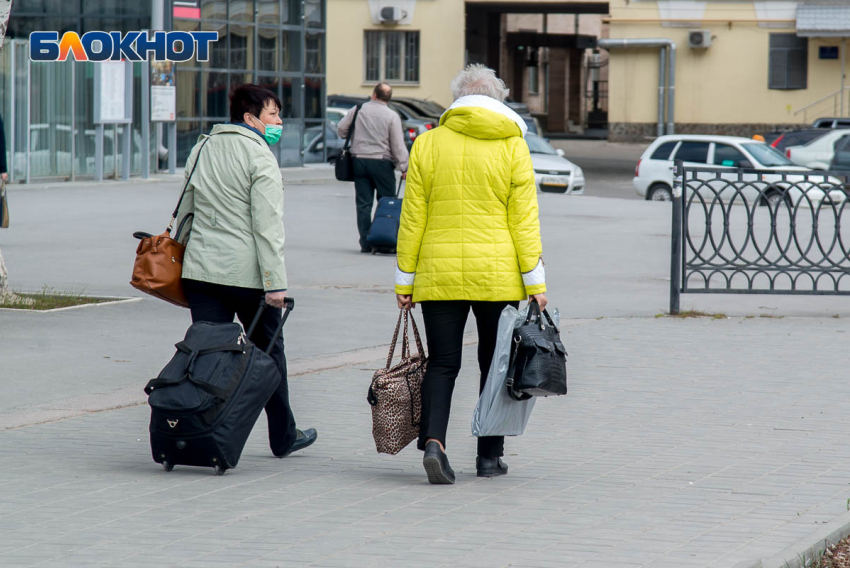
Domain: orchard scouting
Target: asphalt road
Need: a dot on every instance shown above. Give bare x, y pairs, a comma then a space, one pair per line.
608, 168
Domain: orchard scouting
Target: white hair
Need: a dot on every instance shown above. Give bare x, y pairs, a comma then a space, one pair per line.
478, 79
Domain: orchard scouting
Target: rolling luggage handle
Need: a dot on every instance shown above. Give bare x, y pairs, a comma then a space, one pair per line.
288, 306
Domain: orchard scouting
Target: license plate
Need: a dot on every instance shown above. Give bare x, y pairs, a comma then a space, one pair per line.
554, 181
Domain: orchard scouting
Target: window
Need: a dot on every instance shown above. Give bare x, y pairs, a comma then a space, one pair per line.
725, 155
663, 152
391, 56
788, 62
533, 80
695, 152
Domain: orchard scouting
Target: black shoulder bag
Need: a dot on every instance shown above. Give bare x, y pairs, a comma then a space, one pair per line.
538, 359
344, 167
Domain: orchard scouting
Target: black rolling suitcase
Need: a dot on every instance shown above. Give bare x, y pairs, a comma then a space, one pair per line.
205, 402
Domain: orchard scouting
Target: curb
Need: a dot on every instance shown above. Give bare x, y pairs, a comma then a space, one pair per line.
833, 532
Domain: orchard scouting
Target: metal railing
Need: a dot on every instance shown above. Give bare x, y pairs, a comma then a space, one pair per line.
838, 106
745, 231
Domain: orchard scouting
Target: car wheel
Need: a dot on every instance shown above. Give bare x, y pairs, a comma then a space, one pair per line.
660, 192
774, 199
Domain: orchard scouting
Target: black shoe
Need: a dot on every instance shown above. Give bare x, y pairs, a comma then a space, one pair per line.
303, 439
437, 465
366, 250
490, 467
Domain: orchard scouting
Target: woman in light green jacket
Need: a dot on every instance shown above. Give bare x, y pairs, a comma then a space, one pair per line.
234, 252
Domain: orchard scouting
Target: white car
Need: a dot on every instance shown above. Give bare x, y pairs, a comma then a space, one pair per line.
818, 153
654, 172
552, 171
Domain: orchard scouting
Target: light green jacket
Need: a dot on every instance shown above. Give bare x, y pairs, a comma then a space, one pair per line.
236, 195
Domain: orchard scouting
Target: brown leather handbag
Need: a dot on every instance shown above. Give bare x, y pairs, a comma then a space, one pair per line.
159, 258
396, 394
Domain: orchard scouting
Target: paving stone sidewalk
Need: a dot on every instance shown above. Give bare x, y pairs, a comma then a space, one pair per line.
681, 443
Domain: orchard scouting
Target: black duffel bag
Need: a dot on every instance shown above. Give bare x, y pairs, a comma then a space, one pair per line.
344, 167
538, 359
205, 402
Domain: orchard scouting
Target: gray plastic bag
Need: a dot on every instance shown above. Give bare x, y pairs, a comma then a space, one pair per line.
496, 413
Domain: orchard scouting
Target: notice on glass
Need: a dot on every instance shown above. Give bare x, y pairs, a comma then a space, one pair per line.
163, 92
112, 95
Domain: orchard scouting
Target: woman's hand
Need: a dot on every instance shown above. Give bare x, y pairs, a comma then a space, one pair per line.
541, 299
275, 299
405, 301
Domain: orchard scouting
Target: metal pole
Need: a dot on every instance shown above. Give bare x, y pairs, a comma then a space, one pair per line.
172, 147
662, 83
29, 117
157, 23
127, 146
98, 152
146, 120
676, 247
73, 64
13, 110
843, 68
115, 151
671, 88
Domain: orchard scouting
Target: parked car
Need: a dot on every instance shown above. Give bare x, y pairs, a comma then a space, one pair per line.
552, 171
832, 122
335, 114
654, 172
426, 107
841, 156
413, 123
797, 138
314, 145
818, 153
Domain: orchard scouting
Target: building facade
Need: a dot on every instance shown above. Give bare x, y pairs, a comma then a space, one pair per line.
415, 46
48, 107
741, 67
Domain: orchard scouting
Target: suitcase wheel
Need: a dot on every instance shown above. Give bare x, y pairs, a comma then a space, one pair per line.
167, 466
374, 251
219, 470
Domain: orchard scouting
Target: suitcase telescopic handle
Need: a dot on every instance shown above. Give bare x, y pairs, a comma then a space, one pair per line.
288, 306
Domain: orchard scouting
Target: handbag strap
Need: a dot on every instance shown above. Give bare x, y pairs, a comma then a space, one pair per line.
186, 185
416, 337
351, 130
395, 339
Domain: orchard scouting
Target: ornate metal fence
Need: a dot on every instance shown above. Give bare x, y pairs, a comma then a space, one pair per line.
744, 231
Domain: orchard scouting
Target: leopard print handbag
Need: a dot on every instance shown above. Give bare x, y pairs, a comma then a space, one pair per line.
396, 393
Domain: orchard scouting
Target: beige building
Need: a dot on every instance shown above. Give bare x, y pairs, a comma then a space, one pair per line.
741, 67
419, 45
416, 46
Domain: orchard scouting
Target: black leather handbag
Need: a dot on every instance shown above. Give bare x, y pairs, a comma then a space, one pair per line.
538, 359
344, 167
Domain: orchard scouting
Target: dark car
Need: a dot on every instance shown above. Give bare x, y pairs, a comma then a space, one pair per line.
831, 122
424, 108
797, 138
314, 144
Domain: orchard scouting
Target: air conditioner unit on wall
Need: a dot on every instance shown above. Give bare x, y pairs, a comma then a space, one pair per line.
392, 14
699, 39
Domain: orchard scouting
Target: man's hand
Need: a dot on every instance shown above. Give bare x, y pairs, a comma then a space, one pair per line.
405, 301
541, 299
403, 175
275, 299
4, 176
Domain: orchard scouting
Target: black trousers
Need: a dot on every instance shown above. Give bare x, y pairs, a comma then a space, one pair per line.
218, 303
370, 176
444, 324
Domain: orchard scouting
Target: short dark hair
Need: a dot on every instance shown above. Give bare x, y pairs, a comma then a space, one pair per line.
250, 98
384, 92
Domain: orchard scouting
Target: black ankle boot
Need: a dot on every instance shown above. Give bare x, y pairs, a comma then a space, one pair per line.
490, 467
437, 466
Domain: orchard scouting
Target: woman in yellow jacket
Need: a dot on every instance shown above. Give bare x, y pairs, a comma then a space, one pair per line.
469, 239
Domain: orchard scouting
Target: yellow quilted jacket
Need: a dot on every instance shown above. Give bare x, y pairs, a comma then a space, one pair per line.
469, 223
